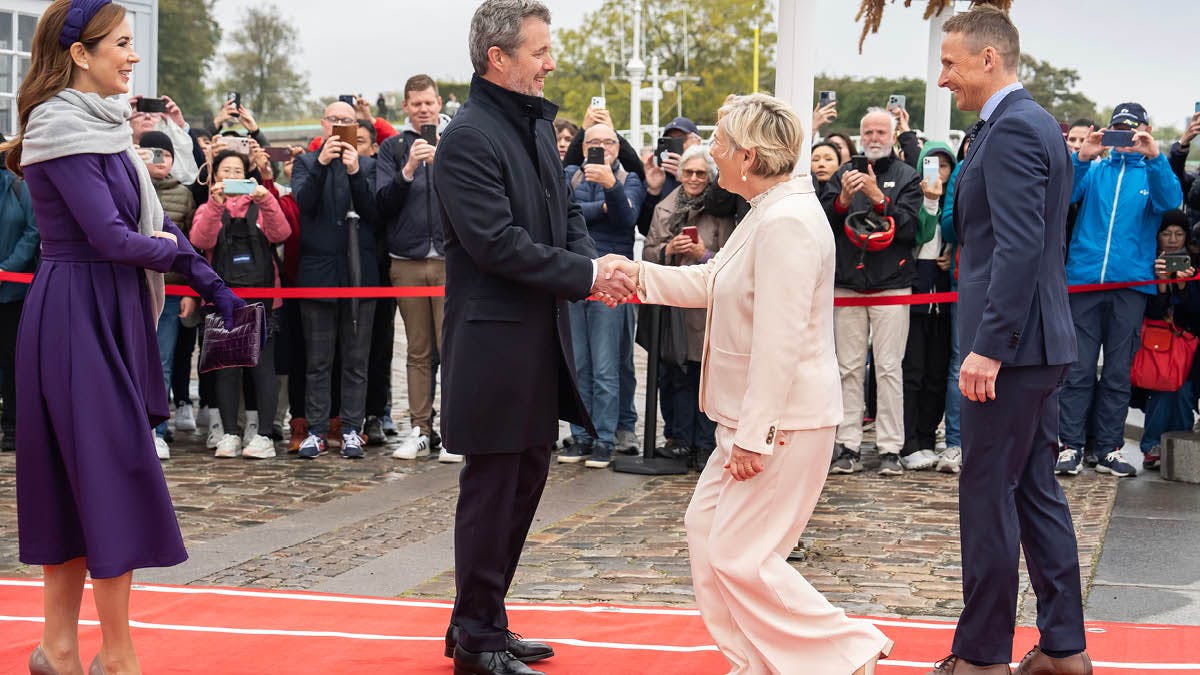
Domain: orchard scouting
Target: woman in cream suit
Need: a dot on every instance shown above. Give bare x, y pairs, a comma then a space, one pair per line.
770, 380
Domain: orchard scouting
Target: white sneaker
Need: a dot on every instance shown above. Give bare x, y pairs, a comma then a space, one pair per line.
919, 460
230, 445
215, 432
202, 416
160, 445
447, 457
951, 461
184, 419
260, 447
414, 446
250, 431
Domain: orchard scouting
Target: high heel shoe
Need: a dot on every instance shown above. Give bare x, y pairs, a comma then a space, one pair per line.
96, 668
869, 667
39, 664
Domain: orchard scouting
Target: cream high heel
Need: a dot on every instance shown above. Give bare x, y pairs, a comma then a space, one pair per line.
868, 668
39, 664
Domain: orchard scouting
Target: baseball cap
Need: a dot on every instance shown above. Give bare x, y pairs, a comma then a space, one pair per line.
683, 124
1129, 113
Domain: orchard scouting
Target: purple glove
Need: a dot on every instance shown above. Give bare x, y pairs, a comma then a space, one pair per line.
226, 302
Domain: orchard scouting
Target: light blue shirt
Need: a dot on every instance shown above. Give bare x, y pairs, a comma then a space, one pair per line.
994, 101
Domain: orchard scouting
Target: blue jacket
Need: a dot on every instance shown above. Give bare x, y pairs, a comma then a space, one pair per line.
325, 194
18, 235
1122, 200
409, 212
612, 231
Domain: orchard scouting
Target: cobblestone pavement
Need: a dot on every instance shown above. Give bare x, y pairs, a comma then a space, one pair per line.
881, 546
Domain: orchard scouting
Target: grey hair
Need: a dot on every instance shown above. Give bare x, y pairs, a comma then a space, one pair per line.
873, 110
703, 153
497, 23
767, 125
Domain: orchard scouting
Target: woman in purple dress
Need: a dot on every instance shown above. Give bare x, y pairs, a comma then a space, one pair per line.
91, 496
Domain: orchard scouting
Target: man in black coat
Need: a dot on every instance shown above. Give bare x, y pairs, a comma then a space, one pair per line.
517, 249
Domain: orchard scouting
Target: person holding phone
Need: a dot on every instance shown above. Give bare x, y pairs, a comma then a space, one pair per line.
610, 198
104, 237
1121, 200
1178, 157
171, 123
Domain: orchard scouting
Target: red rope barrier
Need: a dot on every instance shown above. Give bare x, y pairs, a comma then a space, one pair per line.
373, 292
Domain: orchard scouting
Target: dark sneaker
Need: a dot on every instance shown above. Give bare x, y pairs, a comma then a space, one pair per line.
847, 461
389, 425
435, 440
575, 454
673, 449
1152, 458
1068, 461
1115, 464
600, 459
889, 465
373, 430
352, 447
312, 446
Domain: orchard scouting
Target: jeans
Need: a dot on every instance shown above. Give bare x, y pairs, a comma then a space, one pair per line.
680, 387
1167, 411
627, 416
953, 394
168, 333
329, 328
10, 316
1111, 320
596, 334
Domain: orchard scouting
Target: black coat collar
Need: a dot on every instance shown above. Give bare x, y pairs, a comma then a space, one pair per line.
511, 103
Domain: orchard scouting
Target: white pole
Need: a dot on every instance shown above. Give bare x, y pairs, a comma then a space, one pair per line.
937, 100
655, 81
794, 66
636, 68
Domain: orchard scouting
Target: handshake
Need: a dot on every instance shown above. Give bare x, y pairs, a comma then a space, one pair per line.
616, 279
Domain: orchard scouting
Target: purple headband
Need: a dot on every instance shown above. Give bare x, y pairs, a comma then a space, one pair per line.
78, 17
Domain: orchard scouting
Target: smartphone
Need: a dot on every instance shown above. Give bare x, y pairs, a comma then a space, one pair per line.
1177, 262
279, 154
595, 156
348, 133
156, 155
931, 170
1198, 107
896, 101
859, 163
826, 97
348, 99
692, 233
239, 186
429, 133
599, 102
239, 144
667, 144
151, 105
1117, 138
236, 99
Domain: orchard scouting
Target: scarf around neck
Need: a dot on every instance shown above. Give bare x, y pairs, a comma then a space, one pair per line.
74, 123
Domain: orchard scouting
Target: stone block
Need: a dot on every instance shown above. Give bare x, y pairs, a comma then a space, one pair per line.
1181, 456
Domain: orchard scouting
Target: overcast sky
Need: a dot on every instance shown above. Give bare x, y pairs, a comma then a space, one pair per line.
1142, 51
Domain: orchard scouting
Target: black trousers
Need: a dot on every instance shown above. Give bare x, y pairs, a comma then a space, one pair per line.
1009, 500
293, 357
10, 316
498, 495
926, 366
379, 363
181, 371
679, 390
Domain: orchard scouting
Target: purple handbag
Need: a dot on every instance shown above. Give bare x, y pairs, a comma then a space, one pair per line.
237, 348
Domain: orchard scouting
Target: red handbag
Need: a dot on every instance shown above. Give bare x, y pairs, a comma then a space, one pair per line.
1165, 359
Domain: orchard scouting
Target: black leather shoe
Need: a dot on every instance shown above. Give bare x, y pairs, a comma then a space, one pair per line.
489, 663
525, 651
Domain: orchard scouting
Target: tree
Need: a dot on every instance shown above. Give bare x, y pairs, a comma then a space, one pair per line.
189, 38
719, 38
1052, 88
870, 12
262, 65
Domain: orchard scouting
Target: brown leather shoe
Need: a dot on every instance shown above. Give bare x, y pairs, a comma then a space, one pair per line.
952, 665
1038, 663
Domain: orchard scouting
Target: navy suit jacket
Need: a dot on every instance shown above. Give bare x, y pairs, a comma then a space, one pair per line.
1010, 213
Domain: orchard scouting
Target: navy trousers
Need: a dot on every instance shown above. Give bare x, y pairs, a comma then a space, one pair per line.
1009, 499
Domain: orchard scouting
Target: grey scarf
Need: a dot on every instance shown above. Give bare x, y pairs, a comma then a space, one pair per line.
75, 123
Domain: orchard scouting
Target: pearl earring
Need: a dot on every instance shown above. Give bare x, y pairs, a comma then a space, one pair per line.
85, 66
743, 178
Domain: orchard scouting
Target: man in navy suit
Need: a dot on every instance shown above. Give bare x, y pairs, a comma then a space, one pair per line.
1015, 327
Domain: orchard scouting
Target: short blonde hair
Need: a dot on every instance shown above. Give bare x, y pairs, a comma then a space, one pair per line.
767, 125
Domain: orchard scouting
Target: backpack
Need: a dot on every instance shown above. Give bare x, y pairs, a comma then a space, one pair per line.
242, 256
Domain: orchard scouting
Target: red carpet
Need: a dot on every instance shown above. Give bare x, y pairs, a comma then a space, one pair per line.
232, 631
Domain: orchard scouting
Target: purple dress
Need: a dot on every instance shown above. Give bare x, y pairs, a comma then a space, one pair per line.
89, 382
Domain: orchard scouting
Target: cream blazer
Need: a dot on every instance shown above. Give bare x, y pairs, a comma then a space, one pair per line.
769, 363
